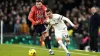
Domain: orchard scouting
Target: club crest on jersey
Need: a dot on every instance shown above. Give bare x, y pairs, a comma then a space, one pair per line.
40, 14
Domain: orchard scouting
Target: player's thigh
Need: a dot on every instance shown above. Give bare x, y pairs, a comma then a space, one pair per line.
65, 35
40, 28
58, 35
36, 28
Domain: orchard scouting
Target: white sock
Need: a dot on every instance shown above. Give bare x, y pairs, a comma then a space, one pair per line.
63, 46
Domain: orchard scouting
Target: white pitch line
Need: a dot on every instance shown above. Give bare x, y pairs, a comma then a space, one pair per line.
54, 50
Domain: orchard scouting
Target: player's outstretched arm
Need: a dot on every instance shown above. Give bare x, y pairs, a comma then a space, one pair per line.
48, 27
66, 19
75, 26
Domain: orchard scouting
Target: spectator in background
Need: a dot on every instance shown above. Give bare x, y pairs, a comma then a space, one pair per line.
85, 41
17, 27
93, 29
24, 26
10, 26
5, 25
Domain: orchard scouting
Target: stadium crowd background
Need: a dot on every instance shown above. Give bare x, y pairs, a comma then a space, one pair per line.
14, 14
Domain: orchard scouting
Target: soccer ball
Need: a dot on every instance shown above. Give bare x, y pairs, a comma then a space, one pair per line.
32, 52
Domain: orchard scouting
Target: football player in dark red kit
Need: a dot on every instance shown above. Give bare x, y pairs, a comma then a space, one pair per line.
38, 18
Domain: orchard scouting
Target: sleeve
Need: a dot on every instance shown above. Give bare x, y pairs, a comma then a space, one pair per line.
30, 16
48, 26
45, 8
66, 19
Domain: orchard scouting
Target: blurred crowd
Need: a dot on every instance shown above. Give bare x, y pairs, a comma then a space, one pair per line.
14, 14
78, 11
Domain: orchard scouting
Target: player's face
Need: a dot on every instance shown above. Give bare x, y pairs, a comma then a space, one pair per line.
38, 4
49, 14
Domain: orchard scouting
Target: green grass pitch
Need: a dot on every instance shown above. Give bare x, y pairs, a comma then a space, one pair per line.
22, 50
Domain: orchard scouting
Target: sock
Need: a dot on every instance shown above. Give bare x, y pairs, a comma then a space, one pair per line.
63, 46
47, 42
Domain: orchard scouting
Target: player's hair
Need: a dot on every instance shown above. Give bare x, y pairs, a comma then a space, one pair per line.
48, 10
39, 1
97, 9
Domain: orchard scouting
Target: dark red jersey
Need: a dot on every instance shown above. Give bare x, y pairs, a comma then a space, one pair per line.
37, 14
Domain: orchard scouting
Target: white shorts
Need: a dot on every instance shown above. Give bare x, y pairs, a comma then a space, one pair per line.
61, 33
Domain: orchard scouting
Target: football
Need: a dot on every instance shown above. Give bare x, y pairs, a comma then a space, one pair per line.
32, 52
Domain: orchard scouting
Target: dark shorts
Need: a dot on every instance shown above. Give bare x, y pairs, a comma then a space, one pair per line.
39, 28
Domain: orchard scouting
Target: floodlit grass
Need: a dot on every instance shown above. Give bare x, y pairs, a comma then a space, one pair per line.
22, 50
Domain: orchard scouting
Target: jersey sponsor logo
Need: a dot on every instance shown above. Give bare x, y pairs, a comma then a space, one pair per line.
39, 14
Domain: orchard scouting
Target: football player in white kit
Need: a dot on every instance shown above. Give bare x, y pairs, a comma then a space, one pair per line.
60, 28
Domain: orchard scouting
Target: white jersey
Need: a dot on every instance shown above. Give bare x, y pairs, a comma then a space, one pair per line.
58, 23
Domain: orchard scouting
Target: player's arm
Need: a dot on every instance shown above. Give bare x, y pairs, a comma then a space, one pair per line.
30, 16
66, 19
48, 27
46, 32
46, 17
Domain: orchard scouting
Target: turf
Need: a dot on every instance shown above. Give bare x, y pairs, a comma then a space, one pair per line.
22, 50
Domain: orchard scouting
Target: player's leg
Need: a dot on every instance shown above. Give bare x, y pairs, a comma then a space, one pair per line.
67, 41
65, 35
48, 43
63, 46
47, 40
67, 38
35, 32
41, 28
59, 40
38, 31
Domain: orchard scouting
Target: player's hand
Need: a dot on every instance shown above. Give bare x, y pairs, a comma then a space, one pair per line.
37, 22
76, 26
45, 21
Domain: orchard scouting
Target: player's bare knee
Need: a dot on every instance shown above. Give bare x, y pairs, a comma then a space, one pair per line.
59, 39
